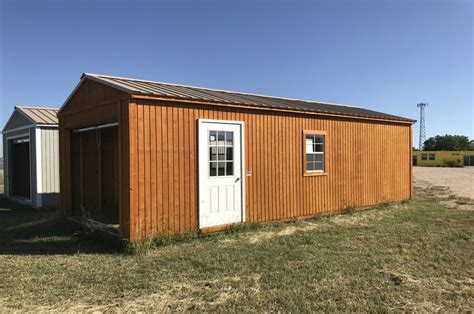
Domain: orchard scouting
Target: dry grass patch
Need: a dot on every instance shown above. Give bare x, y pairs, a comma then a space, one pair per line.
416, 256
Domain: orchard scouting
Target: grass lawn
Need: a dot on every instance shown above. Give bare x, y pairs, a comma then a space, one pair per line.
414, 256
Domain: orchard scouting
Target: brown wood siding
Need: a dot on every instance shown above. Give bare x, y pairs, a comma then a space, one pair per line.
368, 163
95, 104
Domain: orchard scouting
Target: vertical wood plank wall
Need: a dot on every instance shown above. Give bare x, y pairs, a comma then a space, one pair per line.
95, 104
368, 163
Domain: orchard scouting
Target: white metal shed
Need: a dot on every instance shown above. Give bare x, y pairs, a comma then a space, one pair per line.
31, 156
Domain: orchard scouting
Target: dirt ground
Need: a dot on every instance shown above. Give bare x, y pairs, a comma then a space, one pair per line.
460, 181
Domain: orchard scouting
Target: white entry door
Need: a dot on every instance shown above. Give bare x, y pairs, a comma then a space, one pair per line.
220, 173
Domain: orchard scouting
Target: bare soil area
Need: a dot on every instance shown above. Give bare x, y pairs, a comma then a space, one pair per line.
459, 181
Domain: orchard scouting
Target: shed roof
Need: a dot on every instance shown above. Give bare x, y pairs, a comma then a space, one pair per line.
207, 95
37, 115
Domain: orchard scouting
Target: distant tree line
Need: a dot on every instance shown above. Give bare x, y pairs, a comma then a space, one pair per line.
449, 143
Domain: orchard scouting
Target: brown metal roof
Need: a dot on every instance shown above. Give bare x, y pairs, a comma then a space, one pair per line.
199, 94
40, 115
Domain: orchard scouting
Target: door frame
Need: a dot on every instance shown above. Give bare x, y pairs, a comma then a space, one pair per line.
242, 162
96, 128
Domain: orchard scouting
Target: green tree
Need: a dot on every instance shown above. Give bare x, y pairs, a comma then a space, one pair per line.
448, 142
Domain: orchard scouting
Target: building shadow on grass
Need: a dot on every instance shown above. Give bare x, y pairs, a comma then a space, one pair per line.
28, 231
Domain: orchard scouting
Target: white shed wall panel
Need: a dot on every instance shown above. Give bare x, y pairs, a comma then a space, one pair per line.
49, 178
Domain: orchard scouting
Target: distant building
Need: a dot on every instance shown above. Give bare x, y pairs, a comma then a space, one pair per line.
443, 158
31, 156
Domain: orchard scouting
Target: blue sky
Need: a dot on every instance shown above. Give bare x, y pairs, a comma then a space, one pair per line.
383, 55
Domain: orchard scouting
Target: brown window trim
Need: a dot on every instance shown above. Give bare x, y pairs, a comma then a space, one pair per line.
319, 173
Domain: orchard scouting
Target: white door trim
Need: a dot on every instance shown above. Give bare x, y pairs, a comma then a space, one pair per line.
242, 161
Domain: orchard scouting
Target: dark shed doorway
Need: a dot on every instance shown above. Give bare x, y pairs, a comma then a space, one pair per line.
94, 173
20, 168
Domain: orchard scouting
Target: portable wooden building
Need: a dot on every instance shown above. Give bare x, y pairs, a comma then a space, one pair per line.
158, 158
31, 156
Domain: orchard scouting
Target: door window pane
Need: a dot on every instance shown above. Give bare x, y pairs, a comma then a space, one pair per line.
229, 168
212, 153
213, 169
220, 138
230, 154
229, 138
221, 169
221, 153
212, 138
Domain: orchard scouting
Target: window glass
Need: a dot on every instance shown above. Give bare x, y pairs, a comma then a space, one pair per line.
212, 138
423, 157
314, 144
221, 169
213, 169
229, 170
432, 156
229, 138
229, 153
220, 137
213, 153
221, 153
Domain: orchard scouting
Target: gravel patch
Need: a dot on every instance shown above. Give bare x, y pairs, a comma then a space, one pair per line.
459, 180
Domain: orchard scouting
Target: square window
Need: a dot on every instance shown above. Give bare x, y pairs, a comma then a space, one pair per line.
314, 151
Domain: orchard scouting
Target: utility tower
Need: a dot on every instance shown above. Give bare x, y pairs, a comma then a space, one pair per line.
422, 124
